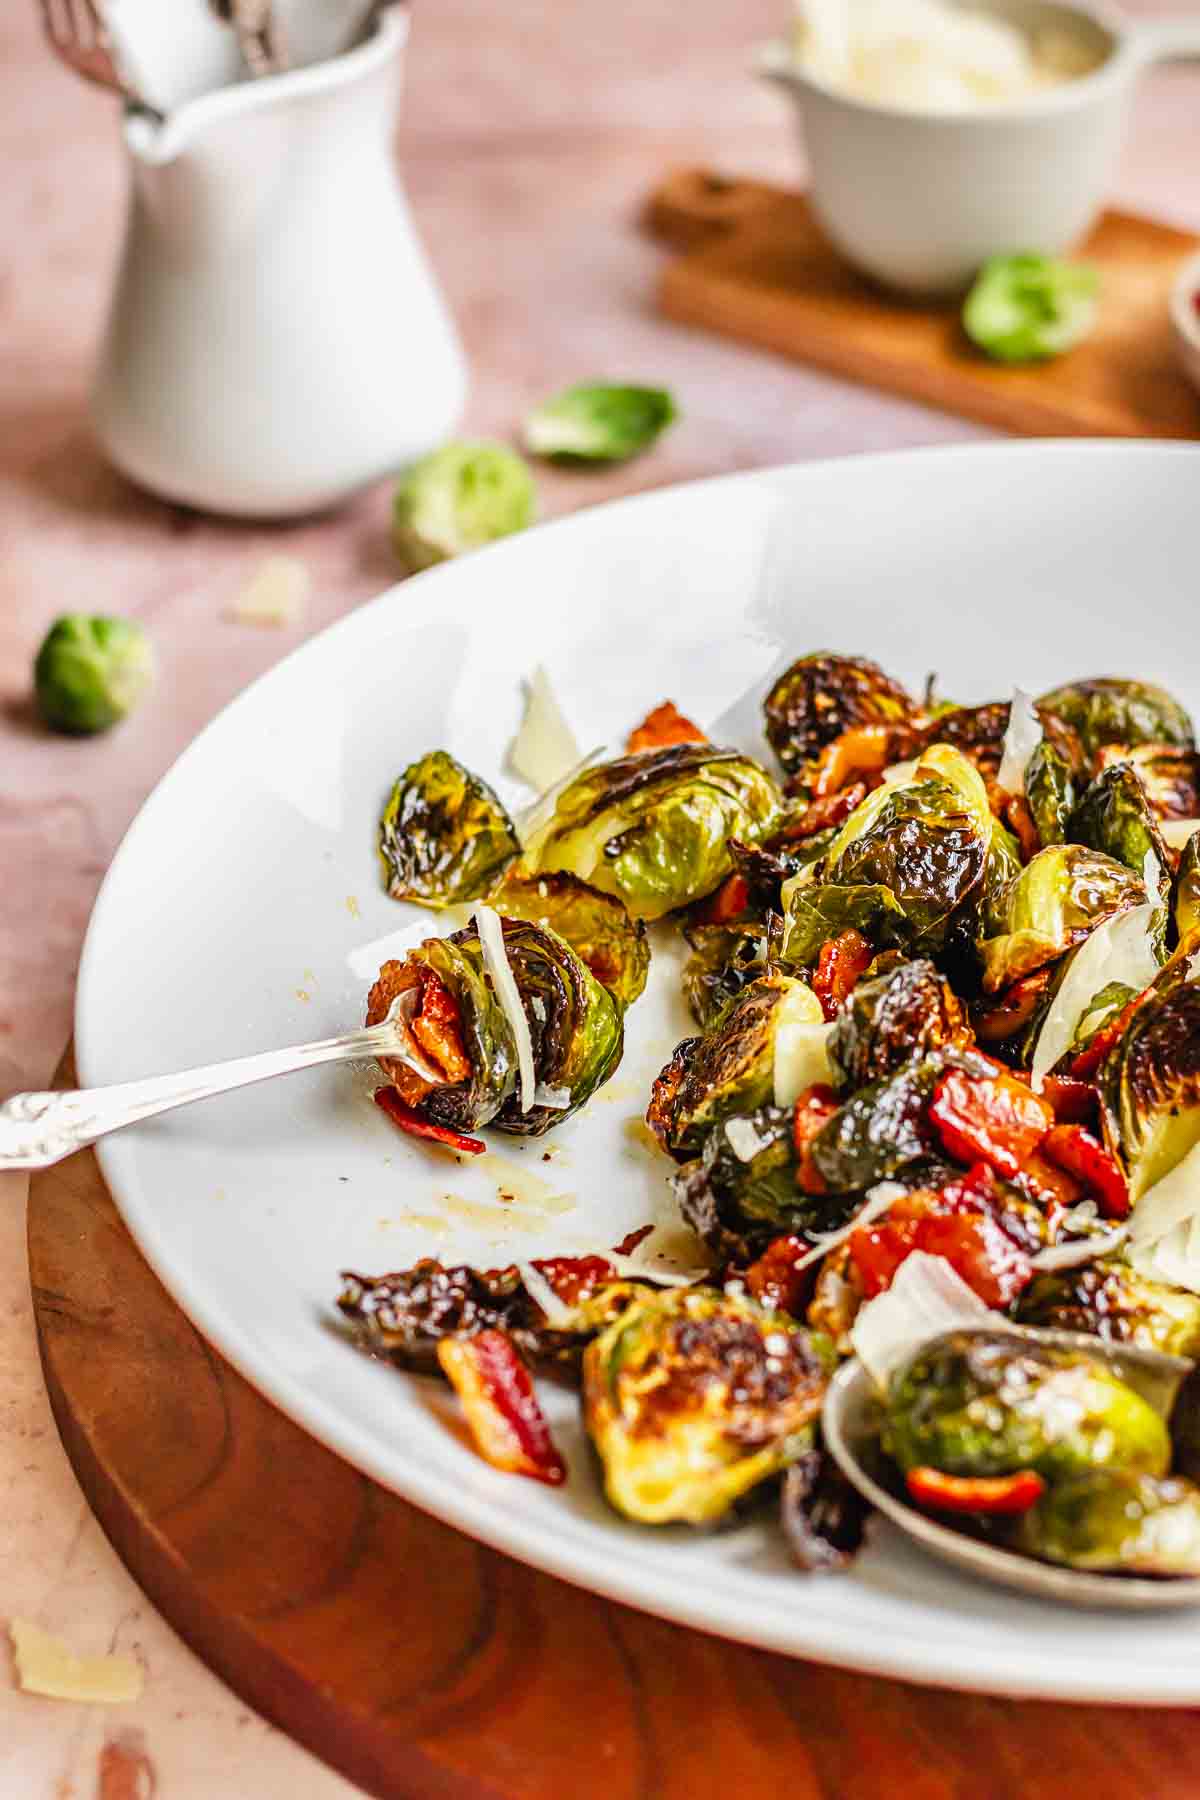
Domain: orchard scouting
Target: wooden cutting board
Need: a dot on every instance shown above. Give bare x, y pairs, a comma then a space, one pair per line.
424, 1666
753, 264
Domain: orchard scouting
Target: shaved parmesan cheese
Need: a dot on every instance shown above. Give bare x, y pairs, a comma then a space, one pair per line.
879, 1198
1162, 1241
557, 1312
557, 1099
801, 1044
276, 594
1176, 832
544, 748
927, 1297
532, 819
1121, 949
495, 961
637, 1271
1079, 1250
46, 1666
1022, 738
744, 1140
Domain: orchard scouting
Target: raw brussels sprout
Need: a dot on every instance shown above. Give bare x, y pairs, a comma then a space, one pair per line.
976, 1403
817, 911
596, 925
724, 960
730, 1071
1107, 711
1118, 1521
1056, 901
1150, 1082
823, 695
444, 836
654, 827
1050, 793
1170, 776
737, 1204
892, 1020
1115, 816
1185, 894
599, 422
692, 1398
1026, 308
1110, 1300
91, 671
459, 498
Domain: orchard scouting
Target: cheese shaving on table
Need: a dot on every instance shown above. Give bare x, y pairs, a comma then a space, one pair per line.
276, 594
927, 1297
1120, 949
1021, 739
495, 959
47, 1666
544, 749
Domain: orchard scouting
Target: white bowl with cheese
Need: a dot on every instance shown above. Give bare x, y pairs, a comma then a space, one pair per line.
931, 151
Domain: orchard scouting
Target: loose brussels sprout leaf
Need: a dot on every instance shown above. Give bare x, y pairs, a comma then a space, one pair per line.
1115, 816
892, 1020
737, 1204
654, 827
458, 498
1118, 1521
1054, 903
724, 960
692, 1399
1170, 776
1185, 894
1103, 1007
1109, 711
444, 836
1050, 793
596, 925
976, 1403
1108, 1299
1150, 1081
1024, 309
91, 671
599, 422
818, 911
821, 696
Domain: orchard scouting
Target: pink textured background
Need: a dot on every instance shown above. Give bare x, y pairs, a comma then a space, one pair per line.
531, 132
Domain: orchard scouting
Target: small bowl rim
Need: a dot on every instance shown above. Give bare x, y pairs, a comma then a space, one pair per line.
1184, 314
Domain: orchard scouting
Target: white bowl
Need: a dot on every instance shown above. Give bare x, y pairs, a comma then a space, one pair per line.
1185, 316
919, 200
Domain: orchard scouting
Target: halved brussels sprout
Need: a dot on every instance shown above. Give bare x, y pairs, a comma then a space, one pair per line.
823, 695
692, 1398
598, 422
1110, 1300
654, 827
1170, 776
444, 836
1050, 793
879, 1130
978, 731
1106, 711
1056, 901
1026, 307
1185, 894
1150, 1081
737, 1200
976, 1403
1119, 1521
894, 1019
814, 912
1114, 815
596, 925
723, 961
457, 498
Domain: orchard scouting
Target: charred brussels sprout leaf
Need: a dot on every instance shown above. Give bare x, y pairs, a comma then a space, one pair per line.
824, 1519
819, 911
1150, 1082
1050, 793
1108, 711
878, 1131
596, 925
599, 422
738, 1203
1115, 816
1118, 1521
977, 1404
91, 671
654, 827
1026, 308
1055, 902
1110, 1300
1101, 1009
459, 498
1185, 895
444, 836
823, 695
692, 1399
724, 960
892, 1020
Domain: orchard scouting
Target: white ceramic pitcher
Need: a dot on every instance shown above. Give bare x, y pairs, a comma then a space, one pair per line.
276, 337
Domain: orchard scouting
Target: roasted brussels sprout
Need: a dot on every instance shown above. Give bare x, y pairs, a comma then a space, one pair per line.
1055, 902
879, 1130
599, 422
596, 925
1185, 893
1108, 1299
1150, 1081
814, 912
1114, 815
737, 1200
823, 695
976, 1403
654, 827
459, 498
724, 960
730, 1071
1026, 308
1107, 711
1170, 776
91, 671
444, 836
692, 1398
978, 731
1050, 793
824, 1519
1118, 1521
892, 1020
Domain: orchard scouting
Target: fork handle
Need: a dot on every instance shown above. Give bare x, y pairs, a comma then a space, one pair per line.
38, 1130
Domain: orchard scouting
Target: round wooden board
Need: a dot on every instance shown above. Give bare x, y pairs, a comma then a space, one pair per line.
423, 1665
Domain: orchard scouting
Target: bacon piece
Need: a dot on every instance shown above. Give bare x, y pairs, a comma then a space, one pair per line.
774, 1279
1010, 1011
844, 959
1076, 1150
834, 809
664, 726
950, 1224
437, 1028
501, 1407
998, 1121
863, 750
996, 1495
411, 1122
814, 1107
573, 1278
630, 1242
729, 902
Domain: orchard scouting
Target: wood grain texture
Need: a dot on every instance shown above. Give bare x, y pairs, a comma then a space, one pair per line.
426, 1667
757, 267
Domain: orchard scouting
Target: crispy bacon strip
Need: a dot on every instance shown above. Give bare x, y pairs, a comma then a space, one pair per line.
729, 902
952, 1223
437, 1028
410, 1121
998, 1121
774, 1279
833, 809
815, 1106
573, 1278
665, 725
844, 959
1010, 1011
497, 1395
996, 1495
1079, 1153
863, 750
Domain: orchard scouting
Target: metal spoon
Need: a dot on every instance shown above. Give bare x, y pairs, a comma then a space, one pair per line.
851, 1421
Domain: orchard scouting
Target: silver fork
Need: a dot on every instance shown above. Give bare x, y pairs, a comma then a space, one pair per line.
77, 35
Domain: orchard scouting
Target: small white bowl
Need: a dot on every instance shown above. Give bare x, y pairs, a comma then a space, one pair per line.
1185, 317
919, 200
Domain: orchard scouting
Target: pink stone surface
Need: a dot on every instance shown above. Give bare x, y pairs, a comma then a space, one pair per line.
531, 134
